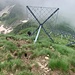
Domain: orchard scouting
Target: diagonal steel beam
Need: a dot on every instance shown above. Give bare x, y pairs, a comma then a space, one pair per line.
50, 15
33, 14
35, 30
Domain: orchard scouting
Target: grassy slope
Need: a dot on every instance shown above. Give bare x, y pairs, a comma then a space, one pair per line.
20, 56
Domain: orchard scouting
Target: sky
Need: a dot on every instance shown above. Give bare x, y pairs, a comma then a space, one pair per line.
67, 7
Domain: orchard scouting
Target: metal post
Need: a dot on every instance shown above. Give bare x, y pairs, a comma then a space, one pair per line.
37, 34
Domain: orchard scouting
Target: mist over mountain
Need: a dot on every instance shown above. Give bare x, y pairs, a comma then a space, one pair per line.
18, 13
12, 12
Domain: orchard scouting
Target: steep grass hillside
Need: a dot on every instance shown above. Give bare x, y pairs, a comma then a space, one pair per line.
20, 56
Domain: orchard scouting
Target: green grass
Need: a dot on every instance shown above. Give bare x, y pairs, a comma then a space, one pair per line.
25, 73
10, 46
59, 63
11, 65
41, 52
61, 57
72, 57
64, 50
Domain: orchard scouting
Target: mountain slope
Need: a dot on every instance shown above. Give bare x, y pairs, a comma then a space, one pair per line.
14, 17
20, 56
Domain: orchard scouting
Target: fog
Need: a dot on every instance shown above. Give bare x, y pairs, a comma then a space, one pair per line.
67, 9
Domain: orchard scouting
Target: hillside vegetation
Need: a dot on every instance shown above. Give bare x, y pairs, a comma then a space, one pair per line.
20, 56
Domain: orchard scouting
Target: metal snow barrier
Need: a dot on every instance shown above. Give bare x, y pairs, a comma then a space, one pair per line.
44, 18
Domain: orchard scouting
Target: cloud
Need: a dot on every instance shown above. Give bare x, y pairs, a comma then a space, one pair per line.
66, 6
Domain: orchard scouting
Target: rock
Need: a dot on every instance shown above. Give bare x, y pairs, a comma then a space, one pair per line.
46, 68
45, 71
33, 65
51, 47
11, 74
40, 65
2, 62
47, 58
46, 64
43, 60
48, 55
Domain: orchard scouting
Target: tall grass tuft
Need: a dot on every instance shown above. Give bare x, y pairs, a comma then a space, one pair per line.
59, 63
25, 72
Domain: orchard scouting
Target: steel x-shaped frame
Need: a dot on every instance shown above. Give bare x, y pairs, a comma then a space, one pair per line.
41, 24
